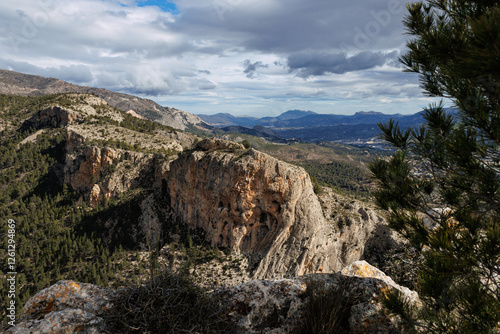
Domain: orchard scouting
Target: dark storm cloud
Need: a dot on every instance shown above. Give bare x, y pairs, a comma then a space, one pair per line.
251, 68
295, 25
310, 63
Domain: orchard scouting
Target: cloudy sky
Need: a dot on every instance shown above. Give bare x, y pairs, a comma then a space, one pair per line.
252, 57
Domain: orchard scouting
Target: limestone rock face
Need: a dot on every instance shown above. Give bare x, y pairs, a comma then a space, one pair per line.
59, 116
361, 231
257, 205
101, 173
254, 204
87, 172
265, 306
55, 116
218, 144
177, 118
82, 106
243, 200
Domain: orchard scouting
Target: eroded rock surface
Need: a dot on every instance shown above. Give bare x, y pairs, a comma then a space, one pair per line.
254, 204
361, 231
65, 307
93, 164
277, 306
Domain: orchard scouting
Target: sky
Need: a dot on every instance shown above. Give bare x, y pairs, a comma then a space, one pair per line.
252, 57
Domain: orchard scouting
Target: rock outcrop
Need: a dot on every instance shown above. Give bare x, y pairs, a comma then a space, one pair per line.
361, 231
243, 200
258, 306
104, 173
65, 307
254, 204
277, 306
82, 106
251, 203
93, 163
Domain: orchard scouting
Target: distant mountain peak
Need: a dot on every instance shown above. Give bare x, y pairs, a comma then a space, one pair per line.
359, 113
291, 114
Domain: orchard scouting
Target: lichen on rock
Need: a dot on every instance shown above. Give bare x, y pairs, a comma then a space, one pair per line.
65, 307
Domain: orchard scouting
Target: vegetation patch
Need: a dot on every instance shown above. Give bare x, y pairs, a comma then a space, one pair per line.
328, 308
51, 241
167, 303
343, 177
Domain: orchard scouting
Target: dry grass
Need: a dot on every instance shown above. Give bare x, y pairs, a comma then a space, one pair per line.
168, 303
328, 308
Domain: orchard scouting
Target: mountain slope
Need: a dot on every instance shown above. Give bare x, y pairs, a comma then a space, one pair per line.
15, 83
257, 131
225, 119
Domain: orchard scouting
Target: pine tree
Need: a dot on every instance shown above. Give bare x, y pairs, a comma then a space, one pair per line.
442, 186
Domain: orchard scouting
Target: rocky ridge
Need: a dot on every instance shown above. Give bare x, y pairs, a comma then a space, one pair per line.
15, 83
92, 166
242, 200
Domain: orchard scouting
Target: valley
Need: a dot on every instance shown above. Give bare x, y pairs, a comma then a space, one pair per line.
360, 129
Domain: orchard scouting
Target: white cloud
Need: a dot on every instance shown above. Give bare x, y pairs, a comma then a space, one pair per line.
252, 57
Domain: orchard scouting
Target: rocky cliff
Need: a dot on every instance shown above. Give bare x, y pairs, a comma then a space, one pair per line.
92, 166
242, 200
257, 205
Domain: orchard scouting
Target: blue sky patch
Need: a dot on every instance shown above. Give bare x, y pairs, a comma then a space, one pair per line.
166, 6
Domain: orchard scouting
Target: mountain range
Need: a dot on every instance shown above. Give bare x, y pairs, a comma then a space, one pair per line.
301, 119
303, 125
310, 126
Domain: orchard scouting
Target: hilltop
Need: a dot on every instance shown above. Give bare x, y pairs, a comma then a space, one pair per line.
15, 83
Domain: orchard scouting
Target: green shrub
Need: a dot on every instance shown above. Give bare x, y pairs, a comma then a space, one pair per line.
168, 303
316, 185
246, 144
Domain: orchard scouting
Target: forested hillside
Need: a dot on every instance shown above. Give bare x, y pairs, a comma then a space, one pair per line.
56, 236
